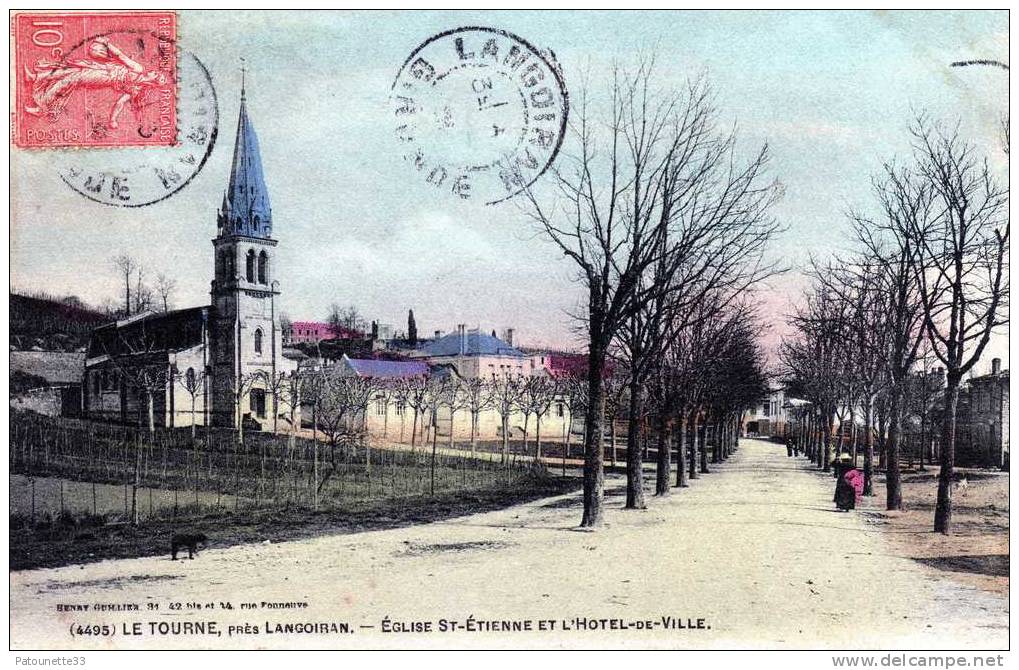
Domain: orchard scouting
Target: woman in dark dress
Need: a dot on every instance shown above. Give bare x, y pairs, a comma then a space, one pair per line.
845, 494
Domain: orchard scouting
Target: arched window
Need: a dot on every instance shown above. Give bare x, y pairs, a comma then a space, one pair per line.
254, 223
258, 341
263, 268
251, 266
189, 378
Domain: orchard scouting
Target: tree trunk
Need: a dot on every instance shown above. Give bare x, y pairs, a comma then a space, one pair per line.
868, 449
505, 437
893, 484
663, 466
594, 473
612, 438
435, 435
474, 433
943, 510
704, 451
634, 459
681, 453
693, 446
537, 440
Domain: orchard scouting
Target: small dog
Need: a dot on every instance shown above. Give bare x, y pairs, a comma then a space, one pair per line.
189, 540
962, 486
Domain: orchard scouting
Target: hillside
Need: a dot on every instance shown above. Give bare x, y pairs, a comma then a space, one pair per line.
51, 324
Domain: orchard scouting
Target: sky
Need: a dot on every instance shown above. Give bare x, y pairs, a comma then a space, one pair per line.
831, 93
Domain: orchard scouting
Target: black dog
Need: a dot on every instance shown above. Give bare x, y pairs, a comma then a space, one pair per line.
191, 541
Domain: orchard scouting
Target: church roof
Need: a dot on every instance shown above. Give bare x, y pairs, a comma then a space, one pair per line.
475, 344
150, 333
246, 209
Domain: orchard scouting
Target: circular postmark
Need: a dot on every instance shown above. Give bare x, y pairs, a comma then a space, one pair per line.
135, 176
480, 112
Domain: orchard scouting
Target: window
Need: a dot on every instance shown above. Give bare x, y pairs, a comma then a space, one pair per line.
95, 384
251, 266
106, 380
258, 402
258, 341
255, 223
263, 268
380, 406
400, 407
189, 378
559, 410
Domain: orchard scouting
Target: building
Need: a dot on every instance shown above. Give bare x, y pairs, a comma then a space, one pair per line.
312, 332
982, 428
210, 365
474, 354
47, 382
770, 417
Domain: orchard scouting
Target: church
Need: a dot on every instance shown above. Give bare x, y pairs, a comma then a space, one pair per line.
212, 365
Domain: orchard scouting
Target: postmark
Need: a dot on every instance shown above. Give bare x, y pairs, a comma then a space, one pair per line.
479, 112
136, 176
95, 79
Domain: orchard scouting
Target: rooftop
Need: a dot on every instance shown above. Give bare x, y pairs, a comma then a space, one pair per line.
475, 343
367, 367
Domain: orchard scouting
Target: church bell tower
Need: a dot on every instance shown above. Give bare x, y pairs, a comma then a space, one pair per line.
246, 337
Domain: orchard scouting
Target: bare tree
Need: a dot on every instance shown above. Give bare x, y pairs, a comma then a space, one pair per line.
126, 265
193, 383
476, 400
661, 186
504, 395
165, 286
537, 393
961, 267
346, 318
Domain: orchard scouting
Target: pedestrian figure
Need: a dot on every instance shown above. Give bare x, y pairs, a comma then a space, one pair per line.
848, 483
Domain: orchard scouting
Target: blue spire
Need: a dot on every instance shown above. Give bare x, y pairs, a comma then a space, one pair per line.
246, 209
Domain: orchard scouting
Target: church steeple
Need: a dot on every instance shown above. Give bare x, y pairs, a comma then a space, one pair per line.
246, 209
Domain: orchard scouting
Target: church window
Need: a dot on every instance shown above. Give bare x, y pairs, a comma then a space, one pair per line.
251, 266
189, 378
258, 402
263, 268
258, 341
254, 224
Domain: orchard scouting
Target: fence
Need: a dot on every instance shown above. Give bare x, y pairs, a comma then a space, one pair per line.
170, 475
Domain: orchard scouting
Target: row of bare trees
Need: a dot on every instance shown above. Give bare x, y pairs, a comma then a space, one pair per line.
666, 221
927, 279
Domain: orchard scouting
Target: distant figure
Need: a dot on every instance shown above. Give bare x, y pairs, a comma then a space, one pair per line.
790, 448
189, 540
848, 483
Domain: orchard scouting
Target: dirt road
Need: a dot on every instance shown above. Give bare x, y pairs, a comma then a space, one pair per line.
751, 555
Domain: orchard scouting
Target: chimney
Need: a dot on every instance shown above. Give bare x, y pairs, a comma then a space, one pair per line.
462, 329
438, 334
509, 336
995, 366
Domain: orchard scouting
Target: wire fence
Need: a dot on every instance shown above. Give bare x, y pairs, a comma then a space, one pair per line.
74, 469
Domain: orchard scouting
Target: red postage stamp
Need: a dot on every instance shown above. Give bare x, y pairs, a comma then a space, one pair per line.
95, 79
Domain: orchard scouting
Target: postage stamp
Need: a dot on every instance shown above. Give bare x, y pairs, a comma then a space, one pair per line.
95, 79
480, 112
